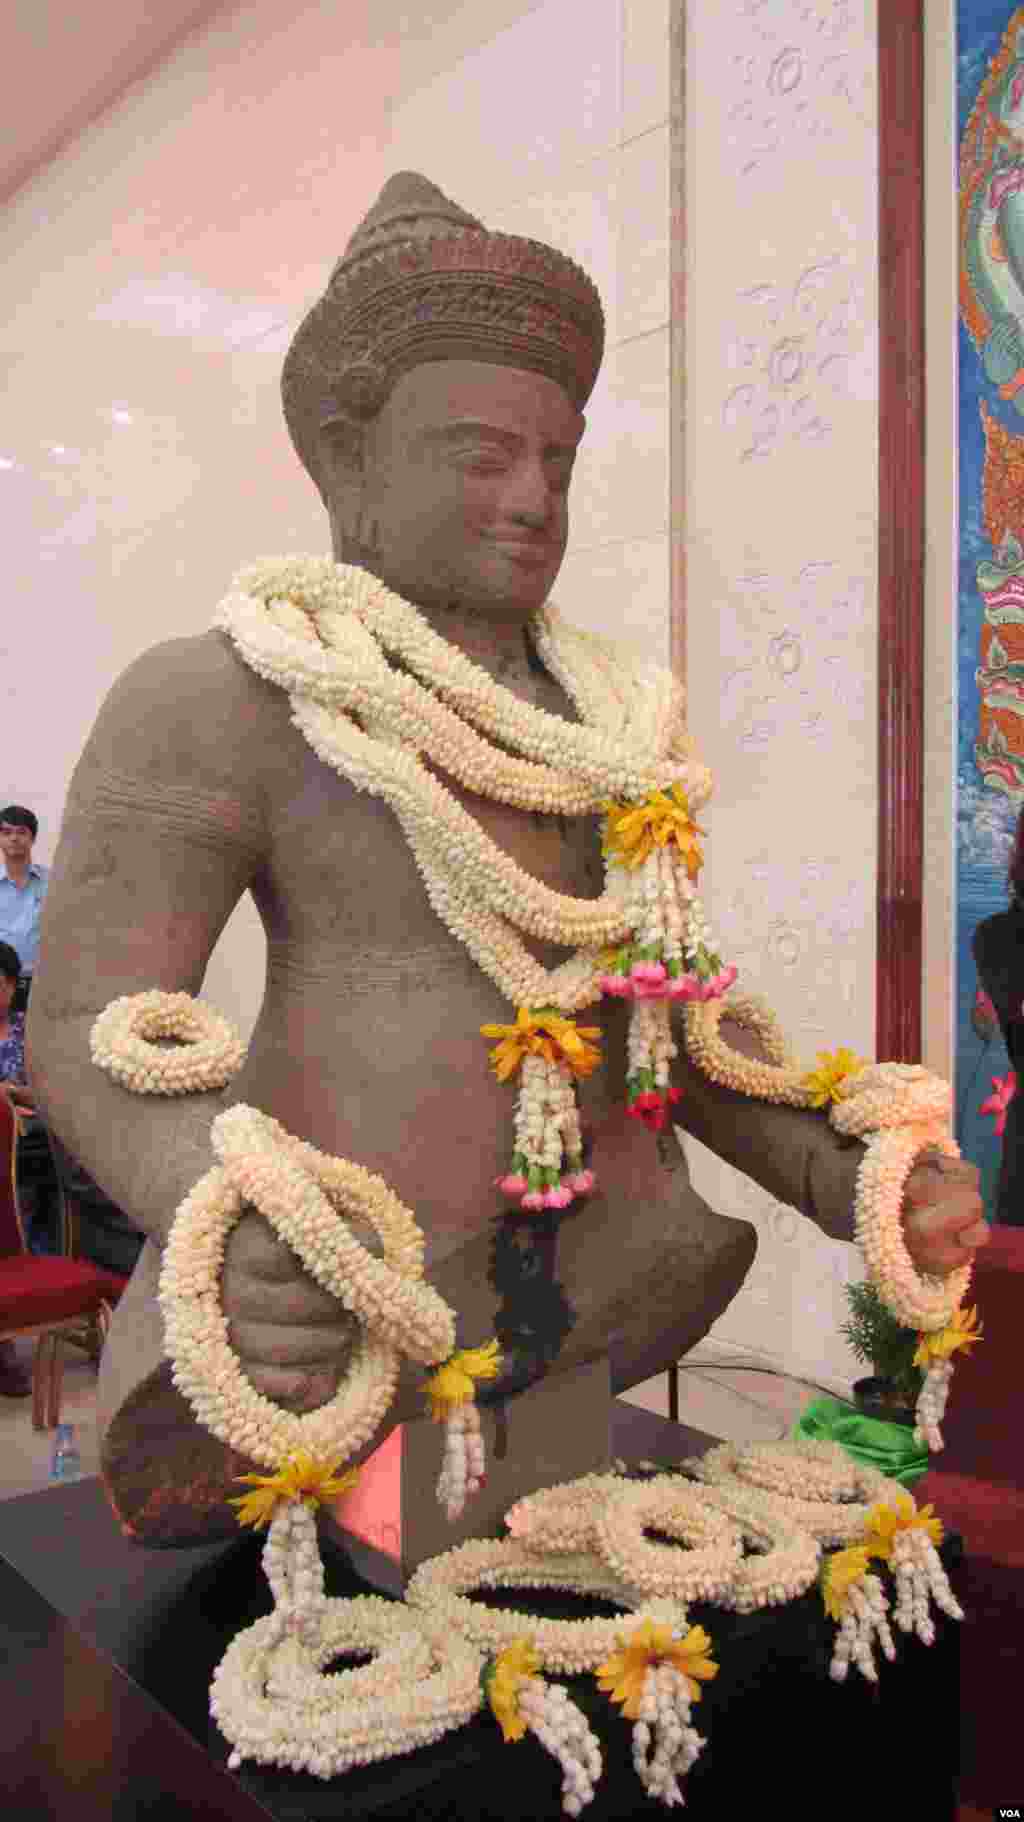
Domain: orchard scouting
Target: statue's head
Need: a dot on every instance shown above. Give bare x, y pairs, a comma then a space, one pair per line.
435, 396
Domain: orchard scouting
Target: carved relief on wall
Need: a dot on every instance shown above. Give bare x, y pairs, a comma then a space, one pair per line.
782, 402
793, 654
792, 930
792, 350
802, 73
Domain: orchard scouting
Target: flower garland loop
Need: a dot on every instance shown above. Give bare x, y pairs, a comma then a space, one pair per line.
441, 1588
260, 1166
702, 1573
899, 1111
773, 1478
126, 1042
561, 1520
272, 1701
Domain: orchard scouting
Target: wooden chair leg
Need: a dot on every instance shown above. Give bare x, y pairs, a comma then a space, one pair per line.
56, 1383
41, 1381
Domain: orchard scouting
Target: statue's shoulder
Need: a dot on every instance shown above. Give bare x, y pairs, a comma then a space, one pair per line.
197, 668
186, 715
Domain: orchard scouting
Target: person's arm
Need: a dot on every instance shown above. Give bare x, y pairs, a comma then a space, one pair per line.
163, 831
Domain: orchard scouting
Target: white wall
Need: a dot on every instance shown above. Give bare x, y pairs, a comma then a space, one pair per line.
781, 602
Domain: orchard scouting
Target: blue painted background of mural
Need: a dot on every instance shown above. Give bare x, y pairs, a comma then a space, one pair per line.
985, 817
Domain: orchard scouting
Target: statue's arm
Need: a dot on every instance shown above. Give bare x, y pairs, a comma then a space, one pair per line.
793, 1154
163, 831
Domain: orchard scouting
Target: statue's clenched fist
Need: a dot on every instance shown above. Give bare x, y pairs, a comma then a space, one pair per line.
293, 1339
943, 1215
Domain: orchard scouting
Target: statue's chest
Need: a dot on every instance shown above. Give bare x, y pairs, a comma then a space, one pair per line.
345, 875
562, 852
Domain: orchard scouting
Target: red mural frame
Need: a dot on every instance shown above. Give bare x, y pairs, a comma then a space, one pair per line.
901, 530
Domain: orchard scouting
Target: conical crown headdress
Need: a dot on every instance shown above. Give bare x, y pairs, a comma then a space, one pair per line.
420, 280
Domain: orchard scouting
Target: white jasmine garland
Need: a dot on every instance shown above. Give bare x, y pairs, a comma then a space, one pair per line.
772, 1478
441, 1587
608, 1515
900, 1111
125, 1041
665, 1743
301, 1193
375, 691
701, 1573
864, 1621
561, 1519
564, 1731
271, 1700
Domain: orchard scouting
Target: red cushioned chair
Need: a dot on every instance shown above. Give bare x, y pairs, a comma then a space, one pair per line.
42, 1295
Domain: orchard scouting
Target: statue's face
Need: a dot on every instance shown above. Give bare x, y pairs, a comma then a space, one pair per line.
463, 497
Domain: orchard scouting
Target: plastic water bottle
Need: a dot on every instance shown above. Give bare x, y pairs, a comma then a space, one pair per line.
67, 1462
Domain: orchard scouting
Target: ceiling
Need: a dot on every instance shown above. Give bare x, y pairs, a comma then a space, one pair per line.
78, 60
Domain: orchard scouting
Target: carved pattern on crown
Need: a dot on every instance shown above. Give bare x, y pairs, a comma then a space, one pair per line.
401, 299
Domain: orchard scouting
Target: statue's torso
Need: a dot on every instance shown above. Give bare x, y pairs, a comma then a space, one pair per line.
369, 1041
368, 1045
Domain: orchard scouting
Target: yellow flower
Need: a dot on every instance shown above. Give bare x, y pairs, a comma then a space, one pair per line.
834, 1069
884, 1523
838, 1573
961, 1331
453, 1384
633, 831
502, 1680
621, 1676
546, 1034
302, 1477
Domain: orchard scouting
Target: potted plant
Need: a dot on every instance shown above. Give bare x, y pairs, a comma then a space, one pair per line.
890, 1391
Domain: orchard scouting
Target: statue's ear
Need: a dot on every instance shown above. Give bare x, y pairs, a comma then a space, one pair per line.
342, 449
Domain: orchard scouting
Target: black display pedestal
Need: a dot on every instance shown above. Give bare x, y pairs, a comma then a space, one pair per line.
106, 1652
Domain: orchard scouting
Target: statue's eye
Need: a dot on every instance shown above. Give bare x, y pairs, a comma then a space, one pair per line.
483, 462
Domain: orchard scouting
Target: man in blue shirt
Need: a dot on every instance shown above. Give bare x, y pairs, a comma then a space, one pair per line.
23, 886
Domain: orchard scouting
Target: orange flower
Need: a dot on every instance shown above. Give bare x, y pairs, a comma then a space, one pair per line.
634, 830
546, 1034
839, 1573
301, 1477
885, 1522
622, 1675
502, 1681
960, 1333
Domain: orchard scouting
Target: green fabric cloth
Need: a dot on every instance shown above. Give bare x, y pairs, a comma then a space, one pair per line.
890, 1447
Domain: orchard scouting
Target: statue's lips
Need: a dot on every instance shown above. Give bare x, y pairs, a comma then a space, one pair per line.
525, 550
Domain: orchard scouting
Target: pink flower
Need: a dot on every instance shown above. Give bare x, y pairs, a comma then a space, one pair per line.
618, 984
534, 1200
512, 1185
649, 971
686, 987
582, 1182
650, 990
558, 1198
646, 1102
1004, 1088
673, 1096
654, 1118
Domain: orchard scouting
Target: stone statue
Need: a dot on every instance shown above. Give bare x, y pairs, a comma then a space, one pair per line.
435, 395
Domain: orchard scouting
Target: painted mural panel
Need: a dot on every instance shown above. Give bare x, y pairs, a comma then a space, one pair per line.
990, 654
